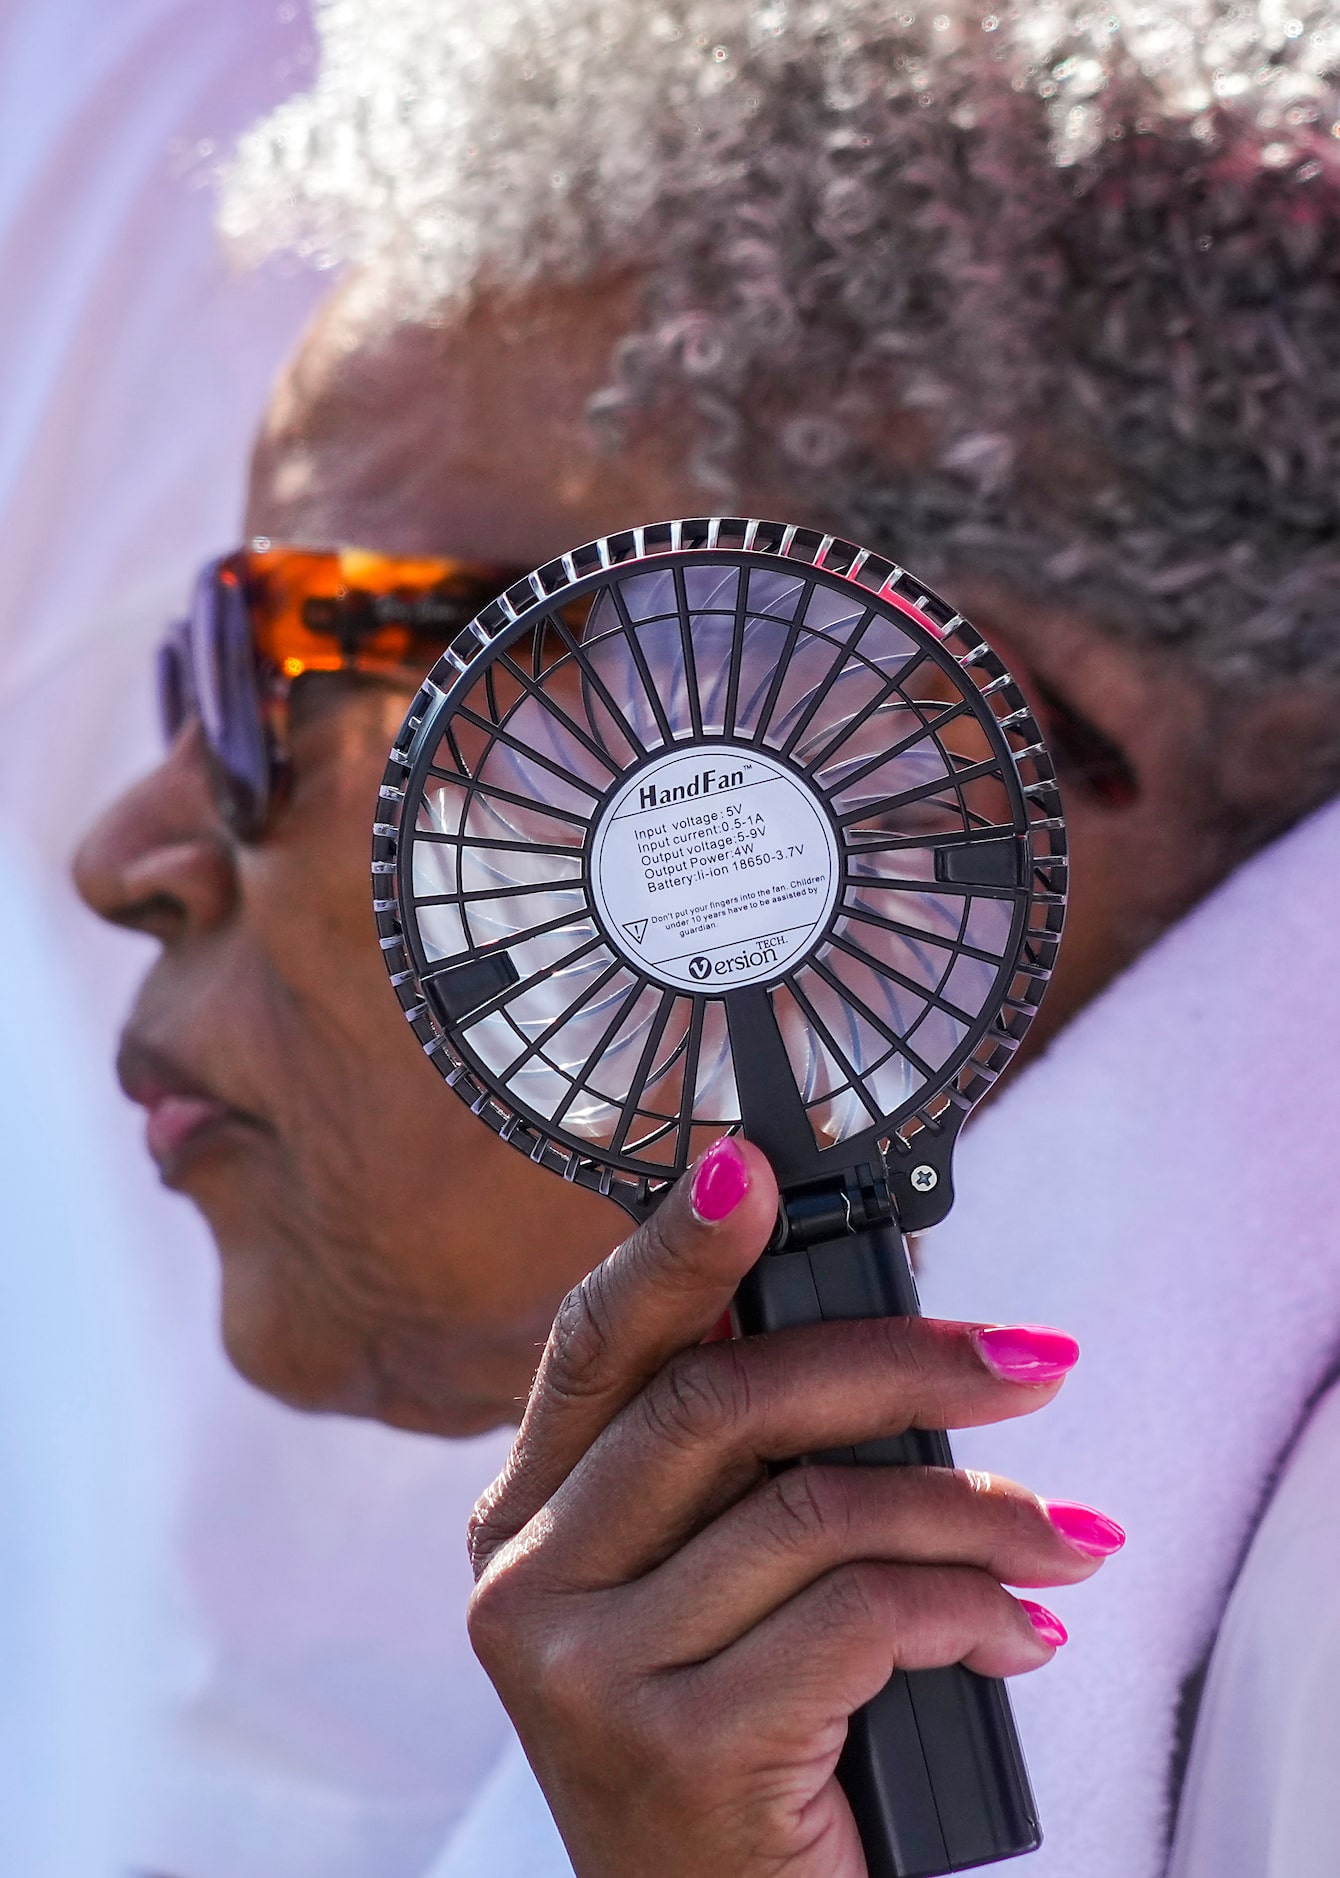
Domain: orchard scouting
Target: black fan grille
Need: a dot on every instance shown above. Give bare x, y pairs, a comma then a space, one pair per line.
891, 716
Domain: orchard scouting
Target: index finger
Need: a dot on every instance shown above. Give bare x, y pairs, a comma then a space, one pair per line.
665, 1287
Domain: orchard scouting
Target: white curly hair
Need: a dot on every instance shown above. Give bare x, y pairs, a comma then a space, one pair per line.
1094, 249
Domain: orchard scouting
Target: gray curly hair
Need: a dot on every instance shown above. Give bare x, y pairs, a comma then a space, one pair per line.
1092, 249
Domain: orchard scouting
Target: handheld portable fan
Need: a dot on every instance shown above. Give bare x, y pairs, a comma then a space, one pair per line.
725, 825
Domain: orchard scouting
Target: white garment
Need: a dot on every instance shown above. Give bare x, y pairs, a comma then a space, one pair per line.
1262, 1797
77, 1478
1164, 1184
509, 1831
324, 1717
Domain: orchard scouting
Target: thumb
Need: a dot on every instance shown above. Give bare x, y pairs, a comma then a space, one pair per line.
662, 1290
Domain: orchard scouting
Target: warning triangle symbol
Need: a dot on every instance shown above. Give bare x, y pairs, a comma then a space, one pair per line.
635, 930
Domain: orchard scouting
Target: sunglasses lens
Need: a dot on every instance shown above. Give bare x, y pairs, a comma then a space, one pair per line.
259, 619
224, 668
172, 685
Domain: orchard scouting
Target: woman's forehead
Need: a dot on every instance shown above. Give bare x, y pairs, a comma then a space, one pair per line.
471, 438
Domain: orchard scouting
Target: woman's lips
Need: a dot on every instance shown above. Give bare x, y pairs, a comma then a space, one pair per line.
173, 1120
180, 1114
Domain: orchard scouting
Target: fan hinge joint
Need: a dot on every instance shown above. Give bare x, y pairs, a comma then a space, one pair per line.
853, 1202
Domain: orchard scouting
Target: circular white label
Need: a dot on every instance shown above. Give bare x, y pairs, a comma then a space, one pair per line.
714, 867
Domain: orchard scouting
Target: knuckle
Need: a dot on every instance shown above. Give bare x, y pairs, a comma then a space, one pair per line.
905, 1341
581, 1357
808, 1508
542, 1643
563, 1669
923, 1616
481, 1538
966, 1589
488, 1527
573, 1680
495, 1619
957, 1605
852, 1598
927, 1360
699, 1397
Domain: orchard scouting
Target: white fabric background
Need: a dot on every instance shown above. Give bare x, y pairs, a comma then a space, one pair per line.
1263, 1788
79, 1513
1163, 1184
509, 1831
321, 1714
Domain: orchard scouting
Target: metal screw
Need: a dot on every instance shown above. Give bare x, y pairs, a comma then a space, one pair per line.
924, 1178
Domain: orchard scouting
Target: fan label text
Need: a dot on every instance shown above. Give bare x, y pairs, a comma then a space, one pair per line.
714, 867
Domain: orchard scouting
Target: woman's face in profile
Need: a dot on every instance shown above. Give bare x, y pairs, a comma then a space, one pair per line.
382, 1252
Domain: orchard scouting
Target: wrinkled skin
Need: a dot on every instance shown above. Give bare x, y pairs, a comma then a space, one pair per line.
677, 1733
382, 1253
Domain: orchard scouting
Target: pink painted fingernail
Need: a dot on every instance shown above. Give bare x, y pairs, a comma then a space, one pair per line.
721, 1182
1047, 1624
1088, 1530
1026, 1352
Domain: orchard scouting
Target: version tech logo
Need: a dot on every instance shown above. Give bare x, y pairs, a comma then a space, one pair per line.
703, 968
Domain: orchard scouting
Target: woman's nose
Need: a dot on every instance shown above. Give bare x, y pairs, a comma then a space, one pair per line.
160, 860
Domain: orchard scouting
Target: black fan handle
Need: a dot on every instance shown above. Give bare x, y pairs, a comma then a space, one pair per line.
932, 1767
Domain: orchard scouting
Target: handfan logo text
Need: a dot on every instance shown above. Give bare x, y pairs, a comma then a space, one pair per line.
707, 782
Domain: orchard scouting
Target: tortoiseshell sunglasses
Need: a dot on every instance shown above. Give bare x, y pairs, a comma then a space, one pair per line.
263, 616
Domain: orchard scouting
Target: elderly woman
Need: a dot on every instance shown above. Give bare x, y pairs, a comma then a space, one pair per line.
1044, 304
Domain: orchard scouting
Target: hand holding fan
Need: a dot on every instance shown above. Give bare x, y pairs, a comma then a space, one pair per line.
724, 825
